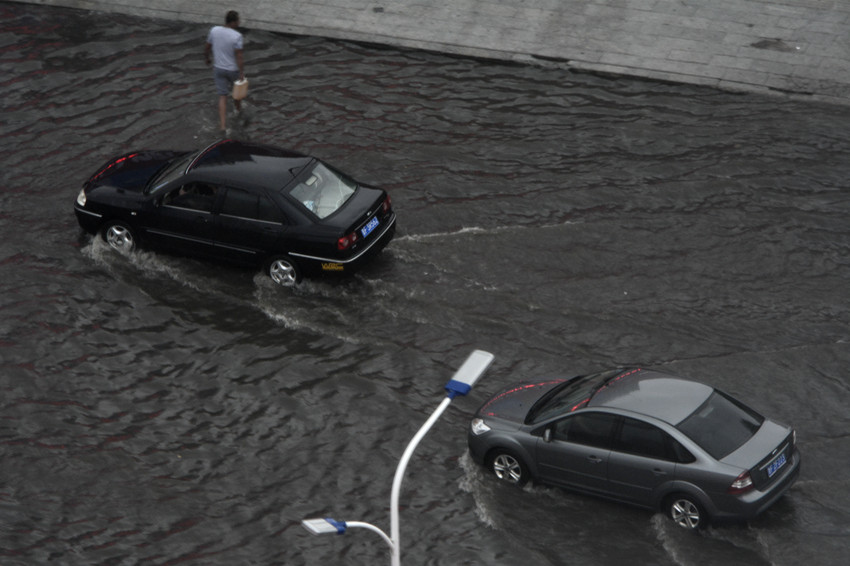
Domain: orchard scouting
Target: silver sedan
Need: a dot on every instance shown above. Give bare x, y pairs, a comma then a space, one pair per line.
641, 437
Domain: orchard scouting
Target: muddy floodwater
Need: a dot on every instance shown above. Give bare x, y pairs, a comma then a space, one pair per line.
159, 410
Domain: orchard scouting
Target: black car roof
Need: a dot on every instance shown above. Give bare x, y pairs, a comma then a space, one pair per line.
246, 163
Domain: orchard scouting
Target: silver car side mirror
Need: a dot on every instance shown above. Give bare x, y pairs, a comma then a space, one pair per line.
547, 435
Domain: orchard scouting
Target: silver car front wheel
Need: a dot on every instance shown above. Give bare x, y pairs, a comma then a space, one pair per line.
509, 468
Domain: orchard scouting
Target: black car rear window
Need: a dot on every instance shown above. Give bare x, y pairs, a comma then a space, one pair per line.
323, 191
721, 425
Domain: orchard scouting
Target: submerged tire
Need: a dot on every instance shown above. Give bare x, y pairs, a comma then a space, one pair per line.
686, 512
508, 467
119, 236
284, 271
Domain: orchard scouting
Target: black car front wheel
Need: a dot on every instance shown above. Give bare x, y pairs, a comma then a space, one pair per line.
508, 467
686, 512
119, 236
284, 271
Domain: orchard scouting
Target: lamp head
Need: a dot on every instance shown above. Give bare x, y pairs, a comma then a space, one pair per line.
469, 373
326, 526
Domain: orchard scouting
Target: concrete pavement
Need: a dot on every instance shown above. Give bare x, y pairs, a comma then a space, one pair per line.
792, 48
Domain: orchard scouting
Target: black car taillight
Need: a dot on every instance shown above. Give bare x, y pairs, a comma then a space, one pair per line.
347, 241
386, 205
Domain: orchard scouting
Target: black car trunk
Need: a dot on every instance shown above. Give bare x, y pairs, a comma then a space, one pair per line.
364, 214
352, 216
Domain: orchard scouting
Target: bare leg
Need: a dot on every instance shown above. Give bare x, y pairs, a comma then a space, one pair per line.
222, 111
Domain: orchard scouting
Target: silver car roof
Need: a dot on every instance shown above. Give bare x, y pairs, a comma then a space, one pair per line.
655, 394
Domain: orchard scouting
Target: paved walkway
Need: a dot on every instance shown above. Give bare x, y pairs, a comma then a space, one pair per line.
795, 48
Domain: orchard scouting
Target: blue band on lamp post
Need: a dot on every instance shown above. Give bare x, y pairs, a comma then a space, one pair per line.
455, 388
340, 525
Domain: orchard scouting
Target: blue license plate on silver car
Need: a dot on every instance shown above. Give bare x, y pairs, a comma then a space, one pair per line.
775, 465
371, 225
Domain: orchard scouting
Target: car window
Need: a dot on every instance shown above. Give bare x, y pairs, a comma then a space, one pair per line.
244, 204
323, 191
644, 439
721, 425
680, 453
194, 196
592, 429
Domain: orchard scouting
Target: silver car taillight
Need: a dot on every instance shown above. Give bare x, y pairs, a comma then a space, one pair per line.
742, 484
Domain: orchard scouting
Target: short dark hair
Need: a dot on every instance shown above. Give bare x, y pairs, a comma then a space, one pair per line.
232, 16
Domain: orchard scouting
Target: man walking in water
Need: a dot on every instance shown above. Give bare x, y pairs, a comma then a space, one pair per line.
224, 51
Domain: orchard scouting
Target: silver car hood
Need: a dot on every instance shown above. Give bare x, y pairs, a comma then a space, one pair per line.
514, 401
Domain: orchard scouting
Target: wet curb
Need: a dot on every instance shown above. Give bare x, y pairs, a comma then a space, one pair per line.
797, 49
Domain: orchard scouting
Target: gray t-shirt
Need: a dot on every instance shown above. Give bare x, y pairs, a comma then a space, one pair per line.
224, 40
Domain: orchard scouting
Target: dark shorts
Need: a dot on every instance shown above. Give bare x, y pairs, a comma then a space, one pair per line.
224, 80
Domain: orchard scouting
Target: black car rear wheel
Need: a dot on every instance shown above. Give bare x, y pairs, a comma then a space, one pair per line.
508, 467
119, 236
686, 512
284, 271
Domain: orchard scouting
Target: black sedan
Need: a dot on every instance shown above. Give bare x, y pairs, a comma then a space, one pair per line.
239, 202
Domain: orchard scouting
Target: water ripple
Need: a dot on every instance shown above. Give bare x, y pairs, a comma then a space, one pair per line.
163, 410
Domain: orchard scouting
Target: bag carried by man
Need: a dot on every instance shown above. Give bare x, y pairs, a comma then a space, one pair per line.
240, 89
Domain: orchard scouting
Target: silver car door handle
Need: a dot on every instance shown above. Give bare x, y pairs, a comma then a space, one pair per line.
595, 459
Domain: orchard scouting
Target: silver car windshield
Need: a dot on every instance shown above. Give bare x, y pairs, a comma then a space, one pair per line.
323, 191
568, 396
721, 425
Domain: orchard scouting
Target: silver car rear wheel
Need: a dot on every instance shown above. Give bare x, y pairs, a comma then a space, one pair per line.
686, 512
509, 468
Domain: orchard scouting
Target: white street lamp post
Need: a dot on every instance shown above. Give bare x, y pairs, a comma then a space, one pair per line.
460, 384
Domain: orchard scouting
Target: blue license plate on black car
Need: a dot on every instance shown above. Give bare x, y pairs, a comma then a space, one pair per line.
775, 465
371, 225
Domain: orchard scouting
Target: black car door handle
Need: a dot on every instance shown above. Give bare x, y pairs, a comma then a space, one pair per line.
658, 472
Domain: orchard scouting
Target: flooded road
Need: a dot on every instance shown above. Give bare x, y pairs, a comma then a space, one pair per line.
158, 410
